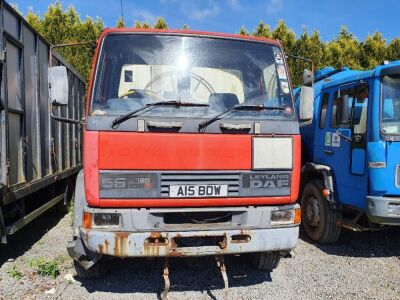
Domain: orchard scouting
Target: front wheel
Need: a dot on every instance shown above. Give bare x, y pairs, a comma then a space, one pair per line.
318, 218
265, 261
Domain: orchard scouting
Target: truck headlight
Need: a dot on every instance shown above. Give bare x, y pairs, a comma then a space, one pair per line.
286, 217
106, 219
272, 153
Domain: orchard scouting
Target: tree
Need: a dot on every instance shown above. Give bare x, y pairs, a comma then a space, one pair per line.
311, 47
160, 24
120, 23
344, 51
58, 27
285, 35
139, 24
185, 27
373, 51
393, 50
262, 30
243, 31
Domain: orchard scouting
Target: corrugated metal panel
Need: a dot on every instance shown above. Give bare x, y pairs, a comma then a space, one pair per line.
32, 145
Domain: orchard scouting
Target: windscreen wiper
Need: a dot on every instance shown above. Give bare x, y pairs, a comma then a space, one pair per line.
134, 113
203, 125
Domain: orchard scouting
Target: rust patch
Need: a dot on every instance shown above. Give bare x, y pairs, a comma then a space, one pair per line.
106, 246
120, 244
155, 234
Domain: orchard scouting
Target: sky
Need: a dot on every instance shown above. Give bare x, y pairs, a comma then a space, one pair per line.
362, 17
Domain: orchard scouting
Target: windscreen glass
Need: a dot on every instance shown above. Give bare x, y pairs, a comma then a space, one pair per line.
138, 69
390, 106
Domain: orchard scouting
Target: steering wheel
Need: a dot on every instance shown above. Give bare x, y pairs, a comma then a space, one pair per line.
200, 81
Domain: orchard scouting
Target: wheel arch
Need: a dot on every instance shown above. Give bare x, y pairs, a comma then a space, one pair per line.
311, 171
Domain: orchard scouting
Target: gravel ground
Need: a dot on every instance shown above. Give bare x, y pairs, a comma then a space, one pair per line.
359, 266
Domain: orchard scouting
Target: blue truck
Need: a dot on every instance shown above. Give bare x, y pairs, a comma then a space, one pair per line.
351, 152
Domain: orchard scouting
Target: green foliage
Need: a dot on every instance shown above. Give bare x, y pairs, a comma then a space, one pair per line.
59, 26
262, 30
185, 27
65, 26
45, 267
120, 23
243, 31
15, 273
160, 24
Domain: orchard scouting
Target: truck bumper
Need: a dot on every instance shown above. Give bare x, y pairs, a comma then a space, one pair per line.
143, 233
215, 242
383, 210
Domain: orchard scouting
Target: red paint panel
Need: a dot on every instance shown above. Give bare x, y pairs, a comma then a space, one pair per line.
166, 151
195, 202
91, 167
294, 191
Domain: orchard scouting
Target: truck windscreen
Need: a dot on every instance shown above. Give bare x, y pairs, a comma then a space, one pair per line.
135, 70
390, 107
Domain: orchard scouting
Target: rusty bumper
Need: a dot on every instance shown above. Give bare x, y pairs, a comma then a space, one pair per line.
189, 243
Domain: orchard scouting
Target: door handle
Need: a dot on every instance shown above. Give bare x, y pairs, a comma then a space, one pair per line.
329, 152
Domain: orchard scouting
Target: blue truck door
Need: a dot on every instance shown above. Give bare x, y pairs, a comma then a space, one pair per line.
343, 144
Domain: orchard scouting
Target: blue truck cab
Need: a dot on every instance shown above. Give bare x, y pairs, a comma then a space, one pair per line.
351, 152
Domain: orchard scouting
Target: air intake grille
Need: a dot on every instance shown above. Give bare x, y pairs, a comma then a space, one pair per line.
182, 178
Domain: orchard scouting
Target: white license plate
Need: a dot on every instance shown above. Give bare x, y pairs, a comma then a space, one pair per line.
207, 190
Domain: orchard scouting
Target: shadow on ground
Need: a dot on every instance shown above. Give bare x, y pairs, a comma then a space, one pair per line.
383, 243
186, 274
26, 237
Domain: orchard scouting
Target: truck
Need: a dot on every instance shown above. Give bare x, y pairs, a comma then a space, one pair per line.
191, 148
40, 157
350, 176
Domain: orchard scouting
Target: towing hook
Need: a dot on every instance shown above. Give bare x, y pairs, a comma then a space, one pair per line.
221, 266
167, 283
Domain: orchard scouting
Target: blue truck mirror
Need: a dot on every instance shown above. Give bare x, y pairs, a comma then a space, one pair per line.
306, 103
58, 81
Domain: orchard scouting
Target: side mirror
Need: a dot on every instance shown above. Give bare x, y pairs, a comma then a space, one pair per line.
308, 76
306, 103
58, 80
342, 110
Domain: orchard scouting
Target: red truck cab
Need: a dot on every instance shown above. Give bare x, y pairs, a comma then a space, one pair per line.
191, 147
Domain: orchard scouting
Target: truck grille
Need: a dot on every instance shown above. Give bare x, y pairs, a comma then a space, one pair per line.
199, 178
398, 176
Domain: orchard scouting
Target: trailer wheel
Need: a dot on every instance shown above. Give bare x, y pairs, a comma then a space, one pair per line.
265, 261
98, 270
318, 218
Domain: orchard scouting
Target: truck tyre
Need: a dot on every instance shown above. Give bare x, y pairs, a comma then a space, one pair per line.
98, 270
265, 261
318, 218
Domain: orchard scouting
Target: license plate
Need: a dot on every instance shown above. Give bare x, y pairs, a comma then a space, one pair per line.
208, 190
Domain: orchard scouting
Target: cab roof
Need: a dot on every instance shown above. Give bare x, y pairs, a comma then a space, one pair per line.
340, 77
192, 33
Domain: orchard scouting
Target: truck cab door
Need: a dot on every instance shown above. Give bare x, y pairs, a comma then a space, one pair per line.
343, 143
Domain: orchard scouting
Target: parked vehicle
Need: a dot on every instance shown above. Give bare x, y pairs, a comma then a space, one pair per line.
191, 148
39, 156
351, 152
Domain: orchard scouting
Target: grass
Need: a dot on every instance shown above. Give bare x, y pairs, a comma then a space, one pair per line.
15, 273
45, 267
